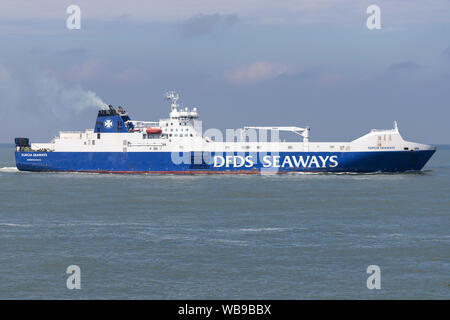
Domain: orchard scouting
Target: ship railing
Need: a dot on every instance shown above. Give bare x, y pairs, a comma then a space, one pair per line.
74, 134
394, 130
384, 130
70, 132
303, 132
147, 144
144, 124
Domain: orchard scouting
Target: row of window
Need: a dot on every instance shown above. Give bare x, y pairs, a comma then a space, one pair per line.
384, 138
180, 129
182, 118
181, 135
151, 136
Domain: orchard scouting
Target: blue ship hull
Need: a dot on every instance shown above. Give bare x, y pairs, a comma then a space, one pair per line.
161, 162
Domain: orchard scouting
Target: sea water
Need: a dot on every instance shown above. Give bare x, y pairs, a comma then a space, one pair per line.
292, 236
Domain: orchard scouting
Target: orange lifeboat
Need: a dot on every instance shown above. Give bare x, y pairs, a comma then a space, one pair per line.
154, 130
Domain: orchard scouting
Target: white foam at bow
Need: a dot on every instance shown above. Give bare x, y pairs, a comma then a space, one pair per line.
9, 169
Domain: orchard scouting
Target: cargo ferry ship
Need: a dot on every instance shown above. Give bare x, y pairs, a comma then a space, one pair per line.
176, 145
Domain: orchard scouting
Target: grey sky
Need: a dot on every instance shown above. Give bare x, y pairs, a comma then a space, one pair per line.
242, 62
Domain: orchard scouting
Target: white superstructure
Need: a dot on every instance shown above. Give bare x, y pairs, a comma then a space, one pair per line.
182, 132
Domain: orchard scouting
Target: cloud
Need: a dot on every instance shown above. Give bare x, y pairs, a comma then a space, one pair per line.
403, 66
128, 76
87, 70
446, 53
13, 25
73, 52
394, 12
207, 23
329, 79
257, 72
4, 75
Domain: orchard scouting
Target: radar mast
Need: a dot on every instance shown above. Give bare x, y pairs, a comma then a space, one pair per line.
174, 97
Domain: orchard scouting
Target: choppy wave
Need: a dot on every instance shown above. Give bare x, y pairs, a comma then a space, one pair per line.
249, 230
261, 229
229, 241
15, 225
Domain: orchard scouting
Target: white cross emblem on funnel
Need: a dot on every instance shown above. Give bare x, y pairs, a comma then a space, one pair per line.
108, 124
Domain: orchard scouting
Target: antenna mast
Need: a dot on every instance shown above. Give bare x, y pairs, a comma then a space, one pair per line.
174, 97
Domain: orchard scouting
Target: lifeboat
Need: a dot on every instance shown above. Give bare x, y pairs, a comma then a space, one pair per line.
154, 130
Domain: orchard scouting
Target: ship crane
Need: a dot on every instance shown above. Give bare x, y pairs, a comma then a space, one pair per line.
304, 132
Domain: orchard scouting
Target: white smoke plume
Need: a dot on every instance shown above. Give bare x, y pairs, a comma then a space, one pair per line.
45, 93
58, 98
36, 104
